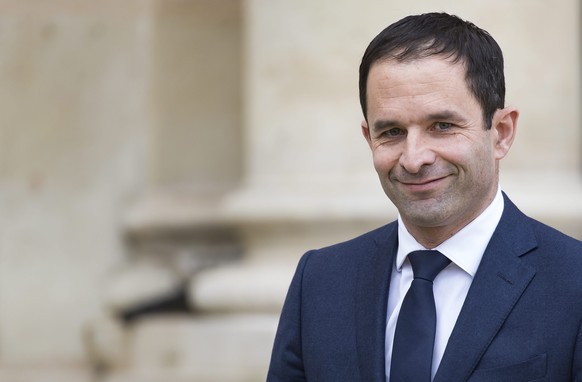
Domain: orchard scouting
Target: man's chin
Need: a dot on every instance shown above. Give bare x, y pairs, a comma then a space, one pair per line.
423, 214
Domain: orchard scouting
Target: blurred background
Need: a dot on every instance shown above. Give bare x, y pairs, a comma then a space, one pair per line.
164, 163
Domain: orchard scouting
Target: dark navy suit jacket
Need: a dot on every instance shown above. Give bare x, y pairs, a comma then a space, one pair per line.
521, 320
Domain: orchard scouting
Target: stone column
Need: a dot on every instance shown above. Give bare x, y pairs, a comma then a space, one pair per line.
73, 120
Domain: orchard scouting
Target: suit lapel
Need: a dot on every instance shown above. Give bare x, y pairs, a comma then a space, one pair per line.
373, 280
500, 281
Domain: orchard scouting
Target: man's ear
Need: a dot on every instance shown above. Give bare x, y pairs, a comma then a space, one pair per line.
366, 132
504, 127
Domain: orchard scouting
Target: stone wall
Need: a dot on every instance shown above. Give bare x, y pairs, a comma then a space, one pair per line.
74, 83
164, 163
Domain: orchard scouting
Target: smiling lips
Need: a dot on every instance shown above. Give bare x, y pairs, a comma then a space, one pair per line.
421, 185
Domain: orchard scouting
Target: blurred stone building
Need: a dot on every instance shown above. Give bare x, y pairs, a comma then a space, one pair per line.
164, 163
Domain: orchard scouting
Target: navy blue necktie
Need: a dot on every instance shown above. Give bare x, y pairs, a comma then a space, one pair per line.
416, 326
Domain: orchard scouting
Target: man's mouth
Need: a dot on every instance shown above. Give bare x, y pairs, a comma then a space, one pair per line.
422, 185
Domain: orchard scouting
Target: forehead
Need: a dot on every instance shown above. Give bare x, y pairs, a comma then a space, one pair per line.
418, 73
428, 82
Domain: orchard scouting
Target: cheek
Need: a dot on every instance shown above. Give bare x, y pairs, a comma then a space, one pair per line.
384, 160
475, 153
481, 162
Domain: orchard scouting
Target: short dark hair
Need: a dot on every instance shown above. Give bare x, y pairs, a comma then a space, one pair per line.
431, 34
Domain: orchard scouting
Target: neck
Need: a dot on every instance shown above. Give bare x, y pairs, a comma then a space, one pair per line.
431, 237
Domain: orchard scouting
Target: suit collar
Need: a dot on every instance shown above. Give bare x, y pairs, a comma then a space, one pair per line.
502, 274
373, 281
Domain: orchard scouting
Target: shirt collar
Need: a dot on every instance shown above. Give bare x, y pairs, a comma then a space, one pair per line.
466, 247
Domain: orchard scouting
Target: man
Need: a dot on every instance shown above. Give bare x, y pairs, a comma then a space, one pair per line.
505, 303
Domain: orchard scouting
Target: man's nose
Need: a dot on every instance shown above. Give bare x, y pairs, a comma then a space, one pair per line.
417, 152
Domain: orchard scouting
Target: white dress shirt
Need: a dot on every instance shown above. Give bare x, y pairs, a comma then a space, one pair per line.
465, 250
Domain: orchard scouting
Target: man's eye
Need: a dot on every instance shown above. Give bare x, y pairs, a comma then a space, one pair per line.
393, 132
443, 125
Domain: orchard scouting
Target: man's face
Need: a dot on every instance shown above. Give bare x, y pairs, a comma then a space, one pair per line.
435, 160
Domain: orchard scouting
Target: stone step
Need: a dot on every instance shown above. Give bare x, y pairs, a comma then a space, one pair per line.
52, 373
213, 348
241, 288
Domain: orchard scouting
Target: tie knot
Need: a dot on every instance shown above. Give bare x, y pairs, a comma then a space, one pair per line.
427, 264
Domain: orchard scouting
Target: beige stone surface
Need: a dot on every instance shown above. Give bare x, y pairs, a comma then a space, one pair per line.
141, 283
46, 374
554, 198
73, 89
196, 94
241, 288
209, 348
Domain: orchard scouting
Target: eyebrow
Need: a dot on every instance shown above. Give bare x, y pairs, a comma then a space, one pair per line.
445, 115
384, 124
